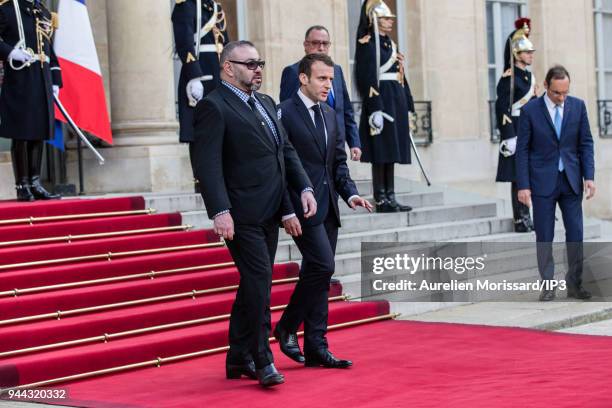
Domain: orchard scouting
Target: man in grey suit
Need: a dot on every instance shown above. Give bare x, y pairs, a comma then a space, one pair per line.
317, 41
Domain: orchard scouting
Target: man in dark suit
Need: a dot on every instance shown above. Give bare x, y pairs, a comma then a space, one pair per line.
554, 164
313, 131
244, 161
317, 41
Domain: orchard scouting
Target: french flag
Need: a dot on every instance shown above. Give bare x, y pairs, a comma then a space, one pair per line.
83, 92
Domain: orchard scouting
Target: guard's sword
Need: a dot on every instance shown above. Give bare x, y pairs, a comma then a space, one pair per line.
198, 40
416, 154
77, 130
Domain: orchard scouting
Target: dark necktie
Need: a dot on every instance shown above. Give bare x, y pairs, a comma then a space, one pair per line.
319, 125
262, 120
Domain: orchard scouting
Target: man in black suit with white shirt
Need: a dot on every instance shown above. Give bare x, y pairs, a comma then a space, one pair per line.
312, 129
244, 162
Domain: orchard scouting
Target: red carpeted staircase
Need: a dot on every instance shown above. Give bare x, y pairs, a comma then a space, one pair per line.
97, 286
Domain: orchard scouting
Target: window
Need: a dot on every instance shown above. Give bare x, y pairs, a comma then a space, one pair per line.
603, 33
603, 68
501, 15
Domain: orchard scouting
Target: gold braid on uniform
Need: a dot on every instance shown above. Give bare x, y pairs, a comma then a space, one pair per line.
218, 30
44, 30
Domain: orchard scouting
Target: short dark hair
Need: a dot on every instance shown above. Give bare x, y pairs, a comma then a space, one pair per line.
305, 66
315, 27
556, 72
229, 48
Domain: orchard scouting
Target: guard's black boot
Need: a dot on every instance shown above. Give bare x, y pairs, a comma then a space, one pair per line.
39, 191
390, 188
35, 151
378, 187
23, 191
520, 212
19, 156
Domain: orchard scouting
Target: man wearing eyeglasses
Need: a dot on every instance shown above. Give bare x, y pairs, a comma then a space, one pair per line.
554, 165
244, 163
317, 41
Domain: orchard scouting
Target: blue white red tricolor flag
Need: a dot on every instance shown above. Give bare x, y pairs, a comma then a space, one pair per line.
83, 92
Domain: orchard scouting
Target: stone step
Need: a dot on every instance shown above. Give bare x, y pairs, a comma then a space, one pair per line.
592, 231
351, 242
368, 222
193, 202
560, 314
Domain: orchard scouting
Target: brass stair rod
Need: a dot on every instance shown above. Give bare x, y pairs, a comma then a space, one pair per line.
145, 330
158, 361
110, 255
32, 220
70, 238
150, 275
59, 314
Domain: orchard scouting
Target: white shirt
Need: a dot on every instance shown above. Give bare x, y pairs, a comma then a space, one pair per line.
309, 104
550, 105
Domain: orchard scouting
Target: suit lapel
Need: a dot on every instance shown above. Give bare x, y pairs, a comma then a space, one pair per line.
546, 114
245, 112
272, 114
336, 85
301, 108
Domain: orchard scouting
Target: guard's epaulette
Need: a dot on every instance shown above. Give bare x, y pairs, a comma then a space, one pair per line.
507, 73
55, 20
3, 2
365, 39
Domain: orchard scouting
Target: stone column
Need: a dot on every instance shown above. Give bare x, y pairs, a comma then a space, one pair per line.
146, 155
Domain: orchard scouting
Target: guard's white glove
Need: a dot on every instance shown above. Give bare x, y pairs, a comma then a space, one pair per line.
195, 91
20, 55
508, 147
377, 122
56, 89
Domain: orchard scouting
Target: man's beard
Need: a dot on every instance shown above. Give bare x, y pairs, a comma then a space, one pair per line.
249, 84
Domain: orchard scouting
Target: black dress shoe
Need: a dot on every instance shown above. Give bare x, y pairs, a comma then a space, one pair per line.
269, 376
289, 344
547, 295
578, 292
39, 192
236, 371
326, 359
23, 192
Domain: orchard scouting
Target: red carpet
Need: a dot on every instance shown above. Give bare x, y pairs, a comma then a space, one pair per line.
124, 292
396, 364
163, 301
14, 210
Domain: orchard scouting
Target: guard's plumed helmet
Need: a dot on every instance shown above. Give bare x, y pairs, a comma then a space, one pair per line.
379, 8
518, 41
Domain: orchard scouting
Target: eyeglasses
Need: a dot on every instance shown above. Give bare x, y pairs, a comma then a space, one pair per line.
557, 93
251, 65
317, 44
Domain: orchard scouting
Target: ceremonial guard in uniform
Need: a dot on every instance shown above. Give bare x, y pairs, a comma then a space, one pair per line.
516, 87
31, 76
387, 101
200, 68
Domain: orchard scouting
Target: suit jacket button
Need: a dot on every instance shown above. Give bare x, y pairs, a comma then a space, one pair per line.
325, 182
